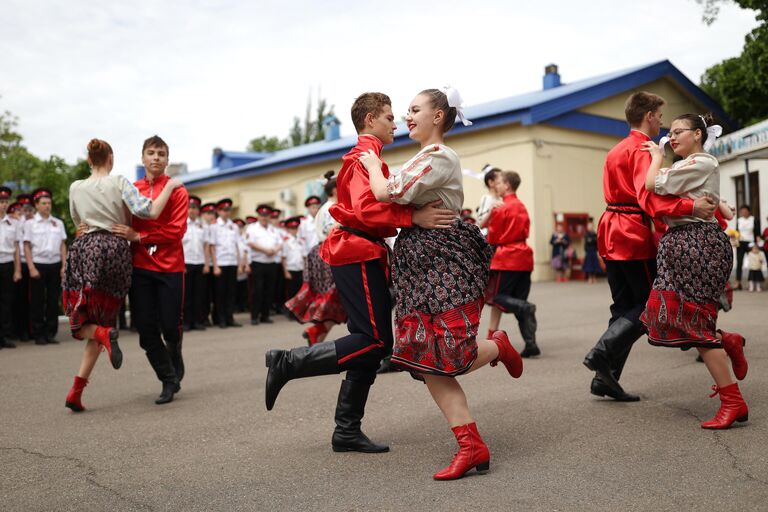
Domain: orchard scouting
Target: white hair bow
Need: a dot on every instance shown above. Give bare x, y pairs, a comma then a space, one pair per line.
455, 101
663, 142
713, 132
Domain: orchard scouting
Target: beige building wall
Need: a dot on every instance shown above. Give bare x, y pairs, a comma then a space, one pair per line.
568, 178
678, 102
561, 169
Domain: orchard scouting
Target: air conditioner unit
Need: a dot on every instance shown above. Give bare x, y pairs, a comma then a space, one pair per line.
288, 197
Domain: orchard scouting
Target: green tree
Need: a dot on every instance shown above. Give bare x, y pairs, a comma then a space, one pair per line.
310, 129
740, 84
266, 144
23, 172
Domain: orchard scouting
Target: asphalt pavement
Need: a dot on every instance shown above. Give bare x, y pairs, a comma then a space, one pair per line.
554, 447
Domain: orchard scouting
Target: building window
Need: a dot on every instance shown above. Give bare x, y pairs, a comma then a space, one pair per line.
754, 193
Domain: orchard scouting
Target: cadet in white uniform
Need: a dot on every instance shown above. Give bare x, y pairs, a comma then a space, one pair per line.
45, 250
10, 266
225, 235
196, 266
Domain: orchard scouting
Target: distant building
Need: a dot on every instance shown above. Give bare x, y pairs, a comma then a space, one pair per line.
556, 138
743, 157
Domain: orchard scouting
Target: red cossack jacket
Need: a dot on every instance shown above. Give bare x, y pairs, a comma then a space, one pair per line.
160, 248
356, 207
508, 229
624, 231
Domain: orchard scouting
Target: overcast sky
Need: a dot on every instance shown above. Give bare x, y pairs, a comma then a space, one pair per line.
204, 73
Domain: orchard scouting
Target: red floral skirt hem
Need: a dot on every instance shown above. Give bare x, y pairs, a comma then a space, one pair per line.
673, 322
444, 344
309, 306
90, 306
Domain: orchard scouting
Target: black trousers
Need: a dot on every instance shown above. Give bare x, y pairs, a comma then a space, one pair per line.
21, 322
241, 304
630, 283
364, 292
264, 280
6, 300
741, 251
194, 295
156, 306
210, 299
514, 283
517, 284
44, 294
226, 290
278, 299
293, 285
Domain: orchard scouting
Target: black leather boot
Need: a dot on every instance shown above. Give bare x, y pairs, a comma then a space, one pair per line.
598, 388
166, 396
161, 363
350, 408
608, 356
528, 325
386, 366
174, 351
284, 365
525, 312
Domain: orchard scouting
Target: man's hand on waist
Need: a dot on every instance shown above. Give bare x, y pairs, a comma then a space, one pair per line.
126, 232
704, 208
432, 217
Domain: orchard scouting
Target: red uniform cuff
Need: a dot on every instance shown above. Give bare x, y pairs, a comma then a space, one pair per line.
406, 220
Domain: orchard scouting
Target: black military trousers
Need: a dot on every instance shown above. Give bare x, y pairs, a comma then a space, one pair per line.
44, 295
364, 292
157, 299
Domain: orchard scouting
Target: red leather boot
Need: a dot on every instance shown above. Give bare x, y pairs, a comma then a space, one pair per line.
733, 344
73, 397
473, 453
311, 334
507, 354
732, 407
107, 337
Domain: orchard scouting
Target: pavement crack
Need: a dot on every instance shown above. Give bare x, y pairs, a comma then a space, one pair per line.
719, 441
90, 473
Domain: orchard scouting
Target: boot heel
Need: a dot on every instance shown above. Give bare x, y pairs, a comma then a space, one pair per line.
481, 468
117, 355
743, 418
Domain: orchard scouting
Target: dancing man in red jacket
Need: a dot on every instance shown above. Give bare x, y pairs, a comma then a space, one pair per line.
357, 254
157, 282
626, 242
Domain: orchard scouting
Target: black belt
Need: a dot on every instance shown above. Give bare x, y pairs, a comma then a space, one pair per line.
375, 239
363, 234
634, 209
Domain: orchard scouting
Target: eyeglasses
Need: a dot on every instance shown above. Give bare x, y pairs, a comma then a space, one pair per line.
679, 131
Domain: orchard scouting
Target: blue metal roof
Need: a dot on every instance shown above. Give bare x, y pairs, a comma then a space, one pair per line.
550, 106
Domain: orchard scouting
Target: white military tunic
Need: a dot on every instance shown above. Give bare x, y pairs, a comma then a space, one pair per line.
45, 237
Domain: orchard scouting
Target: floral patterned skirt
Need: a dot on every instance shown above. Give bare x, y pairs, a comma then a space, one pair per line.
439, 277
97, 280
317, 300
694, 262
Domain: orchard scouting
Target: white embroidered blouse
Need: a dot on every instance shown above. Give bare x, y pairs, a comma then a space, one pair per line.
104, 201
694, 177
434, 173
